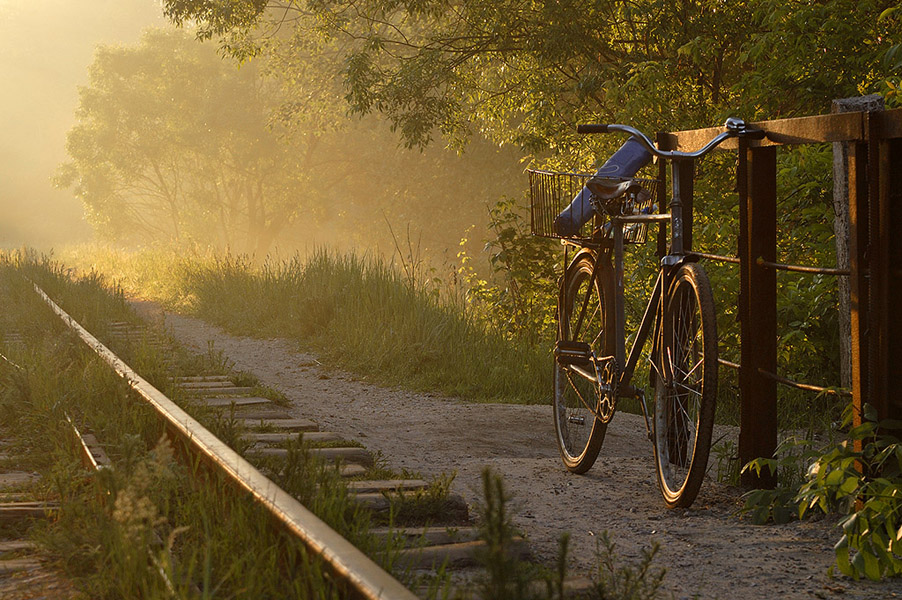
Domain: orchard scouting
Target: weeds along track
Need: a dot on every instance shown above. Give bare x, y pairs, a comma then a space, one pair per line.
258, 449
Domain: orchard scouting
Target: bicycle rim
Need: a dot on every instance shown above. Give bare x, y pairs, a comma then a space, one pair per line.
685, 387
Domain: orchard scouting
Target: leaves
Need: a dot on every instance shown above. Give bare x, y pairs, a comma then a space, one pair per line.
865, 485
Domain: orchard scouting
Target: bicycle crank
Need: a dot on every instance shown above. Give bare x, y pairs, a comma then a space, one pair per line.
608, 373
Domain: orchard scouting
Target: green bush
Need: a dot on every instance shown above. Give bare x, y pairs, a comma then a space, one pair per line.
859, 478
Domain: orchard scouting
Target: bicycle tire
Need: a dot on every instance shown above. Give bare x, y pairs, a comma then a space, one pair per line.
684, 406
579, 432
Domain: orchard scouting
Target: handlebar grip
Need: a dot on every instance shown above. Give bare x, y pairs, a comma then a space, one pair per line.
592, 128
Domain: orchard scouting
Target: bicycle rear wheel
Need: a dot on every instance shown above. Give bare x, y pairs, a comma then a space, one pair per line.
580, 433
685, 386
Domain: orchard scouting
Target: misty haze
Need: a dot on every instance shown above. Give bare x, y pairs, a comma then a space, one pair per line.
450, 299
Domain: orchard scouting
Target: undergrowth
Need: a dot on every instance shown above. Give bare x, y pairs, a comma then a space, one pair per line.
859, 479
507, 577
150, 527
359, 313
154, 527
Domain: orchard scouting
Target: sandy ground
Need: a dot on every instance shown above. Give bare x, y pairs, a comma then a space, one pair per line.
708, 552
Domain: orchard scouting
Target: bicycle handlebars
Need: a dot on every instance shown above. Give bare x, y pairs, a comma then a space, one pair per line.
734, 128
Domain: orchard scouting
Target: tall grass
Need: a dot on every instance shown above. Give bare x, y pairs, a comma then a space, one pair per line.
156, 528
151, 527
359, 312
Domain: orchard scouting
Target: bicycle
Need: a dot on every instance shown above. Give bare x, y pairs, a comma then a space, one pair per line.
592, 370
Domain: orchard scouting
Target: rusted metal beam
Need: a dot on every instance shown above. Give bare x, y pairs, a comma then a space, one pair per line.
757, 174
878, 267
891, 198
363, 577
858, 265
841, 127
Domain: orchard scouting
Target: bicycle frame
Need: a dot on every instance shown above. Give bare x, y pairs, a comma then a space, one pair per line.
669, 263
654, 310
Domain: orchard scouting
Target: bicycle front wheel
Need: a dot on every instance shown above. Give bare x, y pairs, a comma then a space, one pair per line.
585, 314
685, 386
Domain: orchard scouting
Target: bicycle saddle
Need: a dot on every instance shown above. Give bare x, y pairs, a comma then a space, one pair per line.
606, 188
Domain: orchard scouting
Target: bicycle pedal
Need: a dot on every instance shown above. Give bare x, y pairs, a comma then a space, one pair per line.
573, 353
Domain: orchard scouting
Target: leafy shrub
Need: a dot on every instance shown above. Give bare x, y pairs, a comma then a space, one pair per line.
861, 478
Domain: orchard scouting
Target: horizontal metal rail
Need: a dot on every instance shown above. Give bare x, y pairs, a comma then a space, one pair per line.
789, 382
727, 363
717, 257
364, 577
804, 386
775, 265
801, 269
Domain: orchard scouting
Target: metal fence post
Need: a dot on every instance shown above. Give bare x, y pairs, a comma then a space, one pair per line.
891, 211
884, 248
858, 265
757, 179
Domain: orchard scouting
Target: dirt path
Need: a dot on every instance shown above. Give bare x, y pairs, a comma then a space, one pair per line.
708, 553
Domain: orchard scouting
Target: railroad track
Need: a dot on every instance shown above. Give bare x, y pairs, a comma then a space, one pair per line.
269, 432
23, 572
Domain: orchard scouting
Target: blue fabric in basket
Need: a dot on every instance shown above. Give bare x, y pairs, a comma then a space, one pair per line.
624, 163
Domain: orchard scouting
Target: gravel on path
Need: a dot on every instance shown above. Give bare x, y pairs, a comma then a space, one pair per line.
708, 552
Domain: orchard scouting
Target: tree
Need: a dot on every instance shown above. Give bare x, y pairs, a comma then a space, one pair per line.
526, 72
174, 143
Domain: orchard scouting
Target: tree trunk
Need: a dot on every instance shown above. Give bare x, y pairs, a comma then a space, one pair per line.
841, 228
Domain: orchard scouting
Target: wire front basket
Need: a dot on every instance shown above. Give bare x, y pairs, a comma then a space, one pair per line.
551, 192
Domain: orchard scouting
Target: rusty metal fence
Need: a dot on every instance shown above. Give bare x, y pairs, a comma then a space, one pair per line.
875, 272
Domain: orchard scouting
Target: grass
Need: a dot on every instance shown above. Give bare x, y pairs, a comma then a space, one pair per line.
397, 326
358, 313
153, 527
160, 529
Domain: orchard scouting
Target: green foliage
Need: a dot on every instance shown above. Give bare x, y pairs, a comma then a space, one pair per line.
859, 478
506, 577
522, 298
862, 478
525, 73
159, 154
173, 144
780, 504
639, 581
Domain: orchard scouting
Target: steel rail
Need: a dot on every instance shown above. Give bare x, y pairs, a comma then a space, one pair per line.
364, 577
803, 386
800, 269
728, 363
717, 257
